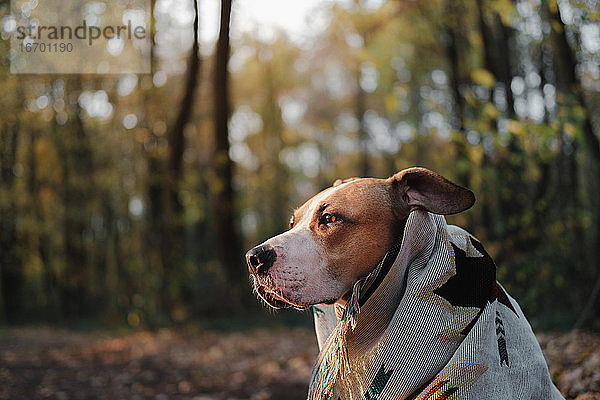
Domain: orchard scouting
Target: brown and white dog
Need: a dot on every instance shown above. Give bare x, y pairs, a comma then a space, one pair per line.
431, 320
342, 233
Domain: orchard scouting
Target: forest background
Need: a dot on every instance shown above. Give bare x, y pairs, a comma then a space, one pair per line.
129, 199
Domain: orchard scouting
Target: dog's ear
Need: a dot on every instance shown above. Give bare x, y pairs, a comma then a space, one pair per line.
340, 181
420, 187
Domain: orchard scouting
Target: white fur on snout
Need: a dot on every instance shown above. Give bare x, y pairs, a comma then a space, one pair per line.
300, 271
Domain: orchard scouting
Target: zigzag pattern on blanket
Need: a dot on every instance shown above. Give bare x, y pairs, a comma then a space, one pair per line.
450, 335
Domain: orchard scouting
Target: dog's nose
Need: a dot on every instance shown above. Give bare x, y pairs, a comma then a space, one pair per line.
260, 259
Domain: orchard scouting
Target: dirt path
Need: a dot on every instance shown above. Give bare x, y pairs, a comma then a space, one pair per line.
165, 365
49, 364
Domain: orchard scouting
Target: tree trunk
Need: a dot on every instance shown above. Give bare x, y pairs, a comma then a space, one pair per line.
228, 240
177, 137
459, 136
11, 276
50, 282
496, 50
504, 72
78, 177
166, 222
363, 135
276, 172
173, 253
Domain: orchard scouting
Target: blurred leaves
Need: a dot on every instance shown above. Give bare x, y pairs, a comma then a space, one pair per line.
483, 77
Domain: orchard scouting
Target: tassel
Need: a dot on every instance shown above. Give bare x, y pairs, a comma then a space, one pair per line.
333, 361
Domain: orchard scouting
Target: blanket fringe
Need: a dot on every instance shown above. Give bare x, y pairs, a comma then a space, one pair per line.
333, 361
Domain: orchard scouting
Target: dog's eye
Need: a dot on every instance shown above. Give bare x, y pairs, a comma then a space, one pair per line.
328, 219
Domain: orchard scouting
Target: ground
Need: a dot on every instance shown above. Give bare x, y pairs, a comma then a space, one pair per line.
263, 364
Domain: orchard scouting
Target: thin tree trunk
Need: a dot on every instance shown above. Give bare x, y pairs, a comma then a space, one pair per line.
173, 253
496, 50
459, 136
363, 134
228, 239
276, 171
497, 56
78, 169
50, 282
487, 38
167, 250
177, 137
11, 277
504, 72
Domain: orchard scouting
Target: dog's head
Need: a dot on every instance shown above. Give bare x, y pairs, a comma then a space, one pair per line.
342, 233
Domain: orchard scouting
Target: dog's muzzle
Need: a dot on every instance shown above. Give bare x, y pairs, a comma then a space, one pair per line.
260, 259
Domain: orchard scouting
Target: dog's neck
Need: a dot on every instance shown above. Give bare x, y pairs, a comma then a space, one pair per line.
381, 295
378, 302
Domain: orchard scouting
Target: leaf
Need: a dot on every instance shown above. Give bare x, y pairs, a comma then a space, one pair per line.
515, 127
483, 77
505, 9
491, 111
579, 113
470, 98
391, 103
570, 129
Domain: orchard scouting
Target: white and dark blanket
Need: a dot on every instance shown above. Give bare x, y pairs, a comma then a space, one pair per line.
437, 326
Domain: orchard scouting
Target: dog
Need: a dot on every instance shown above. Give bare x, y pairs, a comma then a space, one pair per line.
387, 280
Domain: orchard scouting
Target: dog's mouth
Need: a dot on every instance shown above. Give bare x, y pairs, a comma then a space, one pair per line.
274, 298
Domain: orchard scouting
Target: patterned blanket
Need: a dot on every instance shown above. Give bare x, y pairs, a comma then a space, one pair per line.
432, 324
